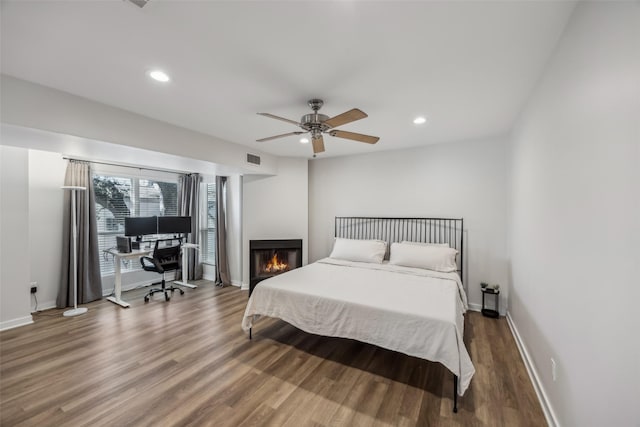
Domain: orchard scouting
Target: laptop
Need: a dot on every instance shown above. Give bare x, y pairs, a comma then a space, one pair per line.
124, 244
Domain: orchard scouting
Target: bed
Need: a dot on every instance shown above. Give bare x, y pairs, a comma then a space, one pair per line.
381, 301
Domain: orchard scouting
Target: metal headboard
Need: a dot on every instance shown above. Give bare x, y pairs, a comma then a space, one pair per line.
424, 230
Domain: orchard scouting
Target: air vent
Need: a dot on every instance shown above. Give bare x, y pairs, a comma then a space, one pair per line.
139, 3
253, 159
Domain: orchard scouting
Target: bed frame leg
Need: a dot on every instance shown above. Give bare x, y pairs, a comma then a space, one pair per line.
249, 333
455, 394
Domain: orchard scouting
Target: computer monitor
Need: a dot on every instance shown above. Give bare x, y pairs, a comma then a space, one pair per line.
140, 225
174, 224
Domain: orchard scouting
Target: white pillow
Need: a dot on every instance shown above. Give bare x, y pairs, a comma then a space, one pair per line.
359, 250
424, 243
437, 258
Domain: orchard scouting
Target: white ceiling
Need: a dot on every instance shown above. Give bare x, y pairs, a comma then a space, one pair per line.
467, 66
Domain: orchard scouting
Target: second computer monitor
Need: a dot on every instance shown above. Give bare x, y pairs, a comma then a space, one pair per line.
174, 224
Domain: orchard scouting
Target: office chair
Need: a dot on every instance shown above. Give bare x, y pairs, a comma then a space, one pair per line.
166, 257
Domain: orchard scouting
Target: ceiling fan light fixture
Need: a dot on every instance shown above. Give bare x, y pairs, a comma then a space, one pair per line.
159, 76
304, 140
419, 120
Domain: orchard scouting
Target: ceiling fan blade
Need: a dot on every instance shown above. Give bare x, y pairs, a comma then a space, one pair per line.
354, 136
280, 136
279, 118
318, 144
346, 117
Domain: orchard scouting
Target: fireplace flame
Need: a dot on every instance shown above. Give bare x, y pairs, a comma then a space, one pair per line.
275, 265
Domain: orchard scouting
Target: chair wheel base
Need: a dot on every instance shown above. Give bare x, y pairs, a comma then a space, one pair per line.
168, 292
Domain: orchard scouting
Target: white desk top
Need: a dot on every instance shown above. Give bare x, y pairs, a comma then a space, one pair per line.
135, 253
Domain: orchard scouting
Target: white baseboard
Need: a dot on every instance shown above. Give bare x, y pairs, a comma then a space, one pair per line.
478, 307
244, 286
475, 307
237, 283
44, 305
14, 323
549, 414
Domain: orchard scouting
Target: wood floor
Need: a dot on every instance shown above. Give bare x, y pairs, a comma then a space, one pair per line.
187, 362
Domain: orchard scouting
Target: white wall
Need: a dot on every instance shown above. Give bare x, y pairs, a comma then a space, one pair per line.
46, 176
574, 233
14, 245
34, 106
276, 207
234, 228
105, 152
465, 179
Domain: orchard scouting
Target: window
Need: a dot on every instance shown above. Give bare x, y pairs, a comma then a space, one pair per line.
118, 197
208, 252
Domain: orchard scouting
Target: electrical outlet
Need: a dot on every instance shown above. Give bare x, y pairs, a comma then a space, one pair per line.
34, 289
554, 370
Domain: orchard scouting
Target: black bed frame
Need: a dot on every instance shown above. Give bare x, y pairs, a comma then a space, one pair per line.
423, 230
391, 230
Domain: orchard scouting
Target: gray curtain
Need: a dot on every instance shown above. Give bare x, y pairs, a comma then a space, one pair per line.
222, 261
88, 266
188, 205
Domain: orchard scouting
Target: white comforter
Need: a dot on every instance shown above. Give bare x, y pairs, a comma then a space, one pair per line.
414, 311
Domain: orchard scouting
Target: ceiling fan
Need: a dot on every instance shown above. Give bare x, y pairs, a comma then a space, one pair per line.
317, 124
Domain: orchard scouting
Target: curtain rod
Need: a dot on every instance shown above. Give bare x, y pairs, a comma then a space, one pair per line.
128, 166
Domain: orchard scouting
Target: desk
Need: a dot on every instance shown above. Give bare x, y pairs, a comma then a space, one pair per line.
185, 264
117, 258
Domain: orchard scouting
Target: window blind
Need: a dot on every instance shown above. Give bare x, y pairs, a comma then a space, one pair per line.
118, 197
208, 252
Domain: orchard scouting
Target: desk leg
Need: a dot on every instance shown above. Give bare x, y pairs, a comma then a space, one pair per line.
185, 271
117, 291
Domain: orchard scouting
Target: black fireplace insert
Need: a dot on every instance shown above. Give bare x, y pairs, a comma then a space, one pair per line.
268, 258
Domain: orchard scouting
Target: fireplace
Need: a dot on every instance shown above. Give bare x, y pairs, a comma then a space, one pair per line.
268, 258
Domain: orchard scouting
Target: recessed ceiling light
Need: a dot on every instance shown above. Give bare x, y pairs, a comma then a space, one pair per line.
159, 76
304, 140
419, 120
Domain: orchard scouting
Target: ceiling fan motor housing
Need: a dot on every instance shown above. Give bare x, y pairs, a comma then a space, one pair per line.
314, 121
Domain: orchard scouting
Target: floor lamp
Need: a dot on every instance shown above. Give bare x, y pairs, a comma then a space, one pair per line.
76, 311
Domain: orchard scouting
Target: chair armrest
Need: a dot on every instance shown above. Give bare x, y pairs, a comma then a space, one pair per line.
153, 261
